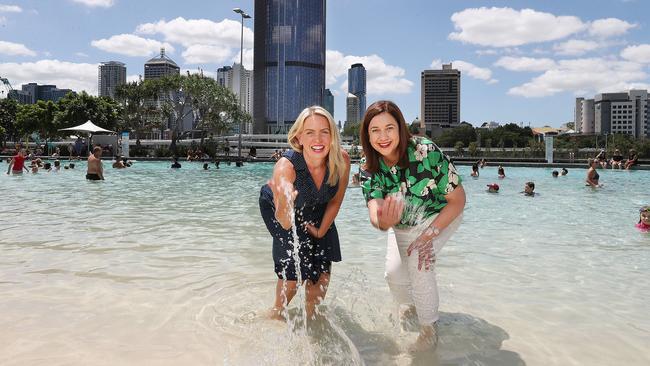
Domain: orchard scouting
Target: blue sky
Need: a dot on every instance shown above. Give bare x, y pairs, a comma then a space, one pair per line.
521, 61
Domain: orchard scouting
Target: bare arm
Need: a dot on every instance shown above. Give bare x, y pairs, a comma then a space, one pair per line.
284, 192
424, 243
453, 209
334, 204
11, 164
590, 178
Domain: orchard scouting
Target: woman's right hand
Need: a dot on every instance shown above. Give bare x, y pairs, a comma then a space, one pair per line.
284, 196
389, 213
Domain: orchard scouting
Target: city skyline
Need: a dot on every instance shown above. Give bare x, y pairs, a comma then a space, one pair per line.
560, 51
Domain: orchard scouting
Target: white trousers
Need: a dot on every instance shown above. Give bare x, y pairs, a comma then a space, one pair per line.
408, 284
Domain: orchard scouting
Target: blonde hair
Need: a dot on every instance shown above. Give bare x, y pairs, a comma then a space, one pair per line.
335, 161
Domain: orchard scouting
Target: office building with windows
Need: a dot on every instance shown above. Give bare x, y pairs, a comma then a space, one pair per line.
289, 61
328, 101
440, 99
111, 74
352, 111
357, 86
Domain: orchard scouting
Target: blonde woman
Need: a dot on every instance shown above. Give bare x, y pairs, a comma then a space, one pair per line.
306, 190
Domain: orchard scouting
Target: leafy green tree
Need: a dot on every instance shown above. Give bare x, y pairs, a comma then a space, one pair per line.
352, 129
459, 148
488, 145
216, 108
414, 128
464, 133
77, 109
473, 148
38, 118
8, 110
138, 108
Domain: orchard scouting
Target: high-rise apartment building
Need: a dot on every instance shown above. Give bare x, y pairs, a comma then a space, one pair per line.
289, 61
160, 66
352, 110
328, 101
224, 75
584, 116
111, 74
357, 86
440, 99
229, 77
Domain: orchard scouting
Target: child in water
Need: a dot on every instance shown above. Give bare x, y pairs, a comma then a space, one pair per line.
644, 219
501, 172
493, 188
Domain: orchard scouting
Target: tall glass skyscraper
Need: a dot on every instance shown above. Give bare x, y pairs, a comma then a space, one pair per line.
357, 86
289, 61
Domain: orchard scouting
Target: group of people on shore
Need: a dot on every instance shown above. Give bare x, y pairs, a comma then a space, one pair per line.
617, 161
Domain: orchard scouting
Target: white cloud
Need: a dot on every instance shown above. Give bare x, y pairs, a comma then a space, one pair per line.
131, 45
639, 53
96, 3
470, 69
81, 54
609, 27
525, 63
575, 47
505, 27
248, 58
10, 8
436, 64
381, 78
65, 75
15, 49
474, 71
132, 78
588, 75
190, 32
200, 54
487, 52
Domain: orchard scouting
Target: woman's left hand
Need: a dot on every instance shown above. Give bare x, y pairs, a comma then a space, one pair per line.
313, 231
424, 247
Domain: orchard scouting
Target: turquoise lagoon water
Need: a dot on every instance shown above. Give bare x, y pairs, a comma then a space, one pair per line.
163, 267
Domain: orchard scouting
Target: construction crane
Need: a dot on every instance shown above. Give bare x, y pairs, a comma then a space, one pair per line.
7, 85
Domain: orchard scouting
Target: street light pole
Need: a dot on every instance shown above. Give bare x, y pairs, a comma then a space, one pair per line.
241, 71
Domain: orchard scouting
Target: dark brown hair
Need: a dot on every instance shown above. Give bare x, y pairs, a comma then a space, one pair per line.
372, 156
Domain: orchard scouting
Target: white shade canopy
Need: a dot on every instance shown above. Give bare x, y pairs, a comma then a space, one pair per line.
87, 127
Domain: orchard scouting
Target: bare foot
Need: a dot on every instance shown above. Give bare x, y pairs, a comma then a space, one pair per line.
275, 314
427, 340
408, 319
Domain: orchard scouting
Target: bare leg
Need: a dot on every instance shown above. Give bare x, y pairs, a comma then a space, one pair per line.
315, 293
284, 292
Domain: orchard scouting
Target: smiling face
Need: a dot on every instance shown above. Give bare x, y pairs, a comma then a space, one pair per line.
383, 131
645, 217
315, 137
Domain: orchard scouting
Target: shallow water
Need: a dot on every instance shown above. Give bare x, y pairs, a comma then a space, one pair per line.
162, 267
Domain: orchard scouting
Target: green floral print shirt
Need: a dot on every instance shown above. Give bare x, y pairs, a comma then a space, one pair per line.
430, 176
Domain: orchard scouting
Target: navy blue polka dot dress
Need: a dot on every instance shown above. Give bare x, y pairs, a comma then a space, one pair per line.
316, 255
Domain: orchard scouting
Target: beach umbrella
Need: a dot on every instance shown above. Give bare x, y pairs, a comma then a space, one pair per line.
89, 128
